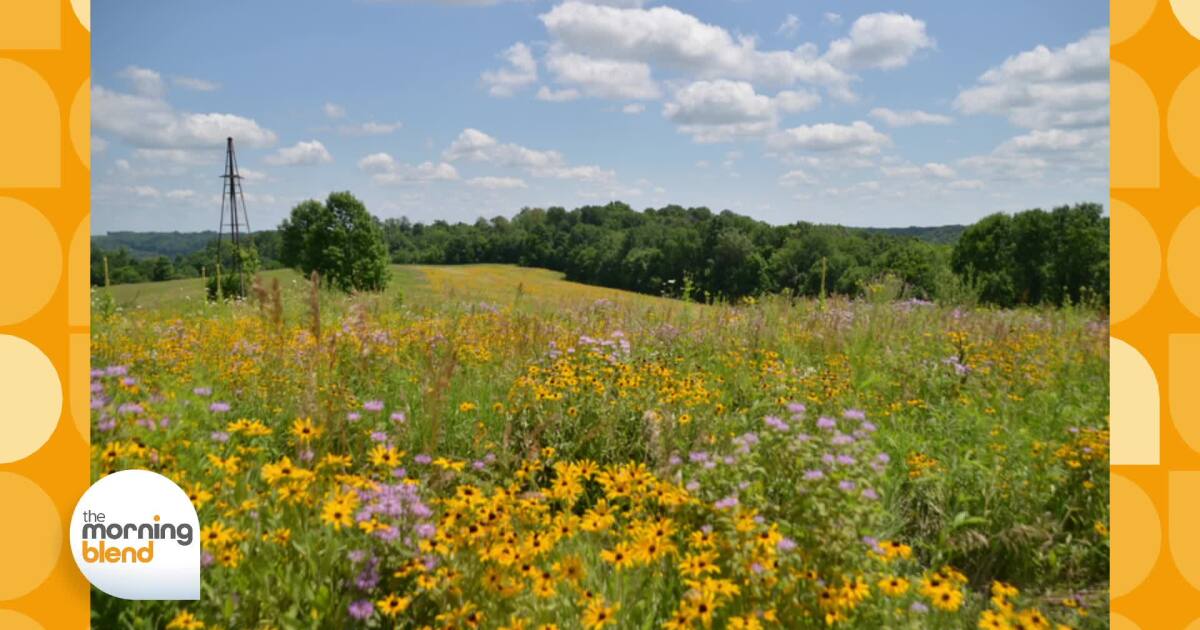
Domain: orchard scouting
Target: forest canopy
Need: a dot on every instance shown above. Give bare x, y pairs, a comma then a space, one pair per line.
1031, 257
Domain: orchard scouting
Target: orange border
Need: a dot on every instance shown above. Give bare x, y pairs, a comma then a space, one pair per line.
1155, 179
1155, 170
45, 67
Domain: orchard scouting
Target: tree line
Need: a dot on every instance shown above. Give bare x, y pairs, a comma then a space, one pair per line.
1032, 257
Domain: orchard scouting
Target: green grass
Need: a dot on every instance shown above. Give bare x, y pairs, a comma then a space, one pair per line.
993, 423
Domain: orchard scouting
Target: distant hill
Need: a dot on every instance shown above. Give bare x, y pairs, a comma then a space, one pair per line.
938, 235
172, 244
154, 244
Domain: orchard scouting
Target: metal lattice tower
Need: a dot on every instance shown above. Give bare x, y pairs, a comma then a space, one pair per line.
235, 223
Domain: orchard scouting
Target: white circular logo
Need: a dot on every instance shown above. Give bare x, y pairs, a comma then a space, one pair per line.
135, 535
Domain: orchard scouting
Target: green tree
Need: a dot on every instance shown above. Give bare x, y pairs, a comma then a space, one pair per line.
339, 240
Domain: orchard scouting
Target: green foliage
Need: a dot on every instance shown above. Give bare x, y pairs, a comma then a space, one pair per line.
1032, 257
339, 240
233, 285
1035, 257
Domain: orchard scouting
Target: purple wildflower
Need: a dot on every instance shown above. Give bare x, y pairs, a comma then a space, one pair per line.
825, 422
219, 436
353, 416
202, 391
422, 459
726, 503
373, 405
379, 436
398, 417
854, 414
362, 609
814, 474
219, 407
777, 423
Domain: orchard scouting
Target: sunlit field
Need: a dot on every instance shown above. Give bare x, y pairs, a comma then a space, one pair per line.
487, 446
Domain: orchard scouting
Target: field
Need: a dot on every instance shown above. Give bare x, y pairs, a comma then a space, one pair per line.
488, 446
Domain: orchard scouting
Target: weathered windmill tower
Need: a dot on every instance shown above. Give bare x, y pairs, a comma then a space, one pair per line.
234, 244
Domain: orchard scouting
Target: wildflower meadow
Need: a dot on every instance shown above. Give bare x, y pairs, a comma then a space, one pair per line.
492, 447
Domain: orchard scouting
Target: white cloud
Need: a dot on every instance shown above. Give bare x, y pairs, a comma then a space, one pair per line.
794, 102
909, 118
880, 40
858, 137
144, 192
723, 110
333, 110
795, 177
790, 25
557, 96
497, 183
251, 175
521, 71
385, 169
189, 157
145, 121
832, 18
477, 146
633, 108
181, 194
1042, 140
196, 85
301, 153
370, 128
1044, 88
603, 78
1005, 166
145, 82
99, 144
664, 36
929, 169
966, 184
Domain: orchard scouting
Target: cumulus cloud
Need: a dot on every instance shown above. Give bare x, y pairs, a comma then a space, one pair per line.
603, 78
832, 18
149, 121
497, 183
520, 71
880, 40
1043, 88
557, 96
909, 118
333, 110
370, 128
301, 153
722, 110
385, 169
145, 82
668, 38
1052, 140
858, 137
1060, 95
476, 146
929, 169
196, 85
790, 25
795, 177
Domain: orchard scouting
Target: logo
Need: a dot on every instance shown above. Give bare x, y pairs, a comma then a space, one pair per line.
135, 535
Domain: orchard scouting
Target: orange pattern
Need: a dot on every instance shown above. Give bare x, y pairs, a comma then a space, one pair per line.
1155, 165
45, 56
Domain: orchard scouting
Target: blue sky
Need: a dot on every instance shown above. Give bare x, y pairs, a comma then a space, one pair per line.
859, 113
